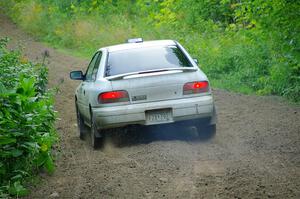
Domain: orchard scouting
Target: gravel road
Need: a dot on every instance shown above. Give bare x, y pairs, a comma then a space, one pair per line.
255, 153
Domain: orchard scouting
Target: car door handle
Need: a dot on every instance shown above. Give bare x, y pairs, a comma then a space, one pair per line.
83, 92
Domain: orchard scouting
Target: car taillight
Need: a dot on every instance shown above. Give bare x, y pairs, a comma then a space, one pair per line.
113, 97
195, 87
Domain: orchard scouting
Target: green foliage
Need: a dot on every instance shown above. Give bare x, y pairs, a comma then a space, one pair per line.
246, 46
27, 118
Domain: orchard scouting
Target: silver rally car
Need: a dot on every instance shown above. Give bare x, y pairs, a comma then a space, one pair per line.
142, 83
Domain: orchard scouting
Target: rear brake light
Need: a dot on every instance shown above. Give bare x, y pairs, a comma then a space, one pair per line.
113, 97
195, 87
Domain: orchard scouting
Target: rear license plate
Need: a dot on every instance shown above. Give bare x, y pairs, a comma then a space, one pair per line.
159, 116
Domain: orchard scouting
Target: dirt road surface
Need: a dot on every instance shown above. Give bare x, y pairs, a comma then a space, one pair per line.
255, 153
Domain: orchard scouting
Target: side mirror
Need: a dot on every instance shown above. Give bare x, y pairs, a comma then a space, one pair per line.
76, 75
196, 61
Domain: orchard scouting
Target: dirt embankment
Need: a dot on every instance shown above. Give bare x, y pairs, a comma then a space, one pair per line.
255, 153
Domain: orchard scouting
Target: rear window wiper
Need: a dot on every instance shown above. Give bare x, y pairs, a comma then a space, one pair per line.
121, 76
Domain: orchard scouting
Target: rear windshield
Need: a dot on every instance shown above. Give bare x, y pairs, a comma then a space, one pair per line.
142, 59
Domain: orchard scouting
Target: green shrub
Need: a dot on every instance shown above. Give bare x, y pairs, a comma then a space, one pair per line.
27, 118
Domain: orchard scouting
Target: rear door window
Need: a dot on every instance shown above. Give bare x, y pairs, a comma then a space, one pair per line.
97, 64
143, 59
89, 75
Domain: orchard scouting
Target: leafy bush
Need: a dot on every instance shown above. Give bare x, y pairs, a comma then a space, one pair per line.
27, 118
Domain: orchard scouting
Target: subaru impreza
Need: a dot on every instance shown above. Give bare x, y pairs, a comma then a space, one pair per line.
142, 83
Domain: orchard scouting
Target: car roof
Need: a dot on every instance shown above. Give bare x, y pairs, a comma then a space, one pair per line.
127, 46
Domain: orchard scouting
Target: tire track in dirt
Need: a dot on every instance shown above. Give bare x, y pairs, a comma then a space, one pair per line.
255, 154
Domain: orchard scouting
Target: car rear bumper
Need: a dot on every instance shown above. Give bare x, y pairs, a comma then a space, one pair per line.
181, 109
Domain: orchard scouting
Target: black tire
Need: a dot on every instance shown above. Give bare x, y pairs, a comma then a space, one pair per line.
97, 137
82, 128
207, 127
206, 132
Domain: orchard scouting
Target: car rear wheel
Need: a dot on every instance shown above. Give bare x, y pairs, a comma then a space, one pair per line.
82, 128
207, 127
206, 131
97, 137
